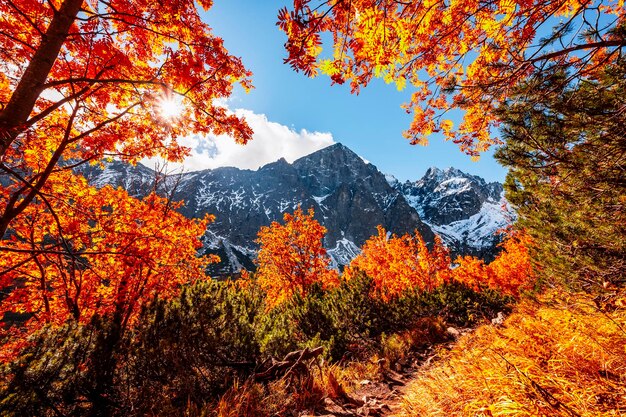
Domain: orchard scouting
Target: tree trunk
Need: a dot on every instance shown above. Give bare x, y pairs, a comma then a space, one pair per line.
18, 109
104, 363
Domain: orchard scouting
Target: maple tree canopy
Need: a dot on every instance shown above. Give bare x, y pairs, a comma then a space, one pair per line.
398, 264
82, 81
511, 272
292, 257
464, 54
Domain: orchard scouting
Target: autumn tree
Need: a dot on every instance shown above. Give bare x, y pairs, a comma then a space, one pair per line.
454, 54
510, 273
113, 254
85, 80
292, 258
80, 82
397, 264
566, 149
471, 271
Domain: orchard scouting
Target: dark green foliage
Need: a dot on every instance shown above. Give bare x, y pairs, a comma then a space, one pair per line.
566, 149
65, 371
184, 350
454, 302
298, 323
458, 304
359, 317
187, 351
192, 348
349, 320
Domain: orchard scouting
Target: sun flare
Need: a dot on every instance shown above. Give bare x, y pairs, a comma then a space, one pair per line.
170, 108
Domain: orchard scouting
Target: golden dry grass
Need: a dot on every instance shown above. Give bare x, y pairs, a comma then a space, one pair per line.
277, 398
307, 392
552, 357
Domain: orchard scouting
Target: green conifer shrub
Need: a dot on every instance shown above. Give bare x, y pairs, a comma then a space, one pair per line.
565, 145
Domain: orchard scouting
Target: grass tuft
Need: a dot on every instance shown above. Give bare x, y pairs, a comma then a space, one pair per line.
553, 357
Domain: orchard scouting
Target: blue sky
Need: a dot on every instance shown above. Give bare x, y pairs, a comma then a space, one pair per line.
370, 123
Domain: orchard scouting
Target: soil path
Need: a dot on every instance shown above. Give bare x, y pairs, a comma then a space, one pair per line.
382, 397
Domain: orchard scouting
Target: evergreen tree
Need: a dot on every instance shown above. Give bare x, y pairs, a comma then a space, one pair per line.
565, 145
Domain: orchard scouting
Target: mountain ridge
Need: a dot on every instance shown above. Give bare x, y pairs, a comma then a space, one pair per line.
464, 209
350, 198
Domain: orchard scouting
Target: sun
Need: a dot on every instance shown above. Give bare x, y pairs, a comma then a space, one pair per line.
170, 108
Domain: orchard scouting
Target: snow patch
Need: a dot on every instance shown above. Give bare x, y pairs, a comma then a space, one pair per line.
479, 230
343, 253
319, 200
453, 186
391, 180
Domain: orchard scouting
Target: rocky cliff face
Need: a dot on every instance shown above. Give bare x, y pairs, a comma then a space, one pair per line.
354, 197
350, 198
463, 209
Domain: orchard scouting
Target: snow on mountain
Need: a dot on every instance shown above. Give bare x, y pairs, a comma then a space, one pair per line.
464, 210
480, 230
349, 196
344, 251
391, 180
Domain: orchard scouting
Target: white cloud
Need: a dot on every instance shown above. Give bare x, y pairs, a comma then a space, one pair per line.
271, 141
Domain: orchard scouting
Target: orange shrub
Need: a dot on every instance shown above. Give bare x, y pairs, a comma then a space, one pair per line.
509, 273
512, 270
472, 272
397, 264
291, 258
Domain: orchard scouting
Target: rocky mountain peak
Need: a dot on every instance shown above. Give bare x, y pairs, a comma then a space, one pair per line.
350, 198
436, 176
333, 156
463, 209
432, 173
280, 164
325, 170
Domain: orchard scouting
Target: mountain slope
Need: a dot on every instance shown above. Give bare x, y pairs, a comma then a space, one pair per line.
465, 210
350, 198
